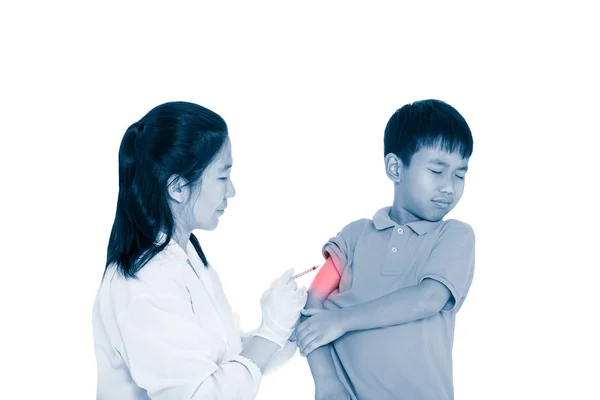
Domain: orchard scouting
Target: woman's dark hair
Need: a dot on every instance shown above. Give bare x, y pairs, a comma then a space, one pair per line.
176, 138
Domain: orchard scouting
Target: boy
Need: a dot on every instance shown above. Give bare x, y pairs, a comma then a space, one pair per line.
387, 296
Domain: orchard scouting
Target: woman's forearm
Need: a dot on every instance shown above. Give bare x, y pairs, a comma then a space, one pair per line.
260, 351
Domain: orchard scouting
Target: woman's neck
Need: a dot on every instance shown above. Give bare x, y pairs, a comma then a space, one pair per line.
182, 237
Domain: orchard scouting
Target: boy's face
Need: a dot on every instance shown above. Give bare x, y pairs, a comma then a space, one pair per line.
433, 183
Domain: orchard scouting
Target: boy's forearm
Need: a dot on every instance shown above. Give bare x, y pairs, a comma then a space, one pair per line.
320, 360
321, 364
399, 307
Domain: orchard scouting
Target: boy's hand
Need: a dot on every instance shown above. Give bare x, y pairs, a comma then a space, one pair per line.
323, 327
331, 389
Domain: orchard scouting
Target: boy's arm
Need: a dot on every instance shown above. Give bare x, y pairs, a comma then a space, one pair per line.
326, 281
443, 284
399, 307
402, 306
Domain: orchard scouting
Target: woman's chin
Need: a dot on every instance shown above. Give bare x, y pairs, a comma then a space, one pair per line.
209, 225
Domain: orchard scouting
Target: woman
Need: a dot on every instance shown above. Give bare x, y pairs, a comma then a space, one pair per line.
163, 328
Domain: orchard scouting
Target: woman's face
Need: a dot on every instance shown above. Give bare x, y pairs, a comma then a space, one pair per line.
208, 198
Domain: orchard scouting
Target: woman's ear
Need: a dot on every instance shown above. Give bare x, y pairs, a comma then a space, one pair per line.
176, 187
393, 167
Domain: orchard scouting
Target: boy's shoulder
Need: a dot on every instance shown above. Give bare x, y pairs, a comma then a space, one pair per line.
357, 225
454, 227
351, 232
455, 224
449, 227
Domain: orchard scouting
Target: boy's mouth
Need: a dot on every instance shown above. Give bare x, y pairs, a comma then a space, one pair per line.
442, 203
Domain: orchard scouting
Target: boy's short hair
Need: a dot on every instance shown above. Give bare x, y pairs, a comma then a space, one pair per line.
427, 123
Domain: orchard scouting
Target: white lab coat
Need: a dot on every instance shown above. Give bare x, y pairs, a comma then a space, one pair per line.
171, 334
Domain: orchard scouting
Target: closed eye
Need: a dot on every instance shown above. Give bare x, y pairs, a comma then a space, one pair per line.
224, 178
435, 172
460, 177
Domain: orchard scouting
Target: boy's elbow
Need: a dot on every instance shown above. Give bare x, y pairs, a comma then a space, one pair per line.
436, 296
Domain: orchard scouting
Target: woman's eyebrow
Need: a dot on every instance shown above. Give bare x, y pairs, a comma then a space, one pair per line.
225, 168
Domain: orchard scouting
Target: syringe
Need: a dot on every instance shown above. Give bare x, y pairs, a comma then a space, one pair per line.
305, 272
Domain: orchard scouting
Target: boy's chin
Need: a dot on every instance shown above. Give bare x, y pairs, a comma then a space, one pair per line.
435, 215
434, 219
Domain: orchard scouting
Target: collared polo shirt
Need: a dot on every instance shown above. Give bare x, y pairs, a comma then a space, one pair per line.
171, 334
376, 257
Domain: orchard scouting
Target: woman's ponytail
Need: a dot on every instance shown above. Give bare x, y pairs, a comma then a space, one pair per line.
131, 242
127, 157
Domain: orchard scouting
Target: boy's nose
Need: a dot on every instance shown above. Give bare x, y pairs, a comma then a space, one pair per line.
447, 188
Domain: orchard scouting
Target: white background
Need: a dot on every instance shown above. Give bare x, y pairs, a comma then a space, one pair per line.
306, 90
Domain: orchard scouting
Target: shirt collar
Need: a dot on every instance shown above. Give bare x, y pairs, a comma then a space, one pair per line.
382, 221
173, 248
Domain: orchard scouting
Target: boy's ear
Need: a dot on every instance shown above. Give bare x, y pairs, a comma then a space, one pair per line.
393, 167
176, 187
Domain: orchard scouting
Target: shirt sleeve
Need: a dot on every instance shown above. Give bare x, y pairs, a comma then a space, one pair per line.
172, 357
341, 246
452, 262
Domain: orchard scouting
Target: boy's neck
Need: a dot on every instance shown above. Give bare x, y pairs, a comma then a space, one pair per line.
400, 215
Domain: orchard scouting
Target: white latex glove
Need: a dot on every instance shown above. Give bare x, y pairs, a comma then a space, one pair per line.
281, 304
279, 359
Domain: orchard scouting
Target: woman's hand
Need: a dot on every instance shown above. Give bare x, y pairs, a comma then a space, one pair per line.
284, 300
323, 327
281, 305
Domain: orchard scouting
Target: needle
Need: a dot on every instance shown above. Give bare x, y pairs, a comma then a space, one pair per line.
305, 272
